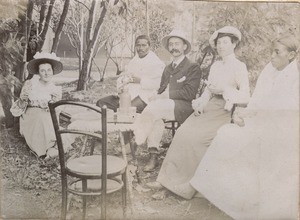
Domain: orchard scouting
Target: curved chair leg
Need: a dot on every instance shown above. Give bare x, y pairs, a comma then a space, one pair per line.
64, 202
124, 195
103, 198
84, 189
173, 128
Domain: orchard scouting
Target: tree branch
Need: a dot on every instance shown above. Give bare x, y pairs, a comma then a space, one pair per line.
90, 22
46, 26
60, 26
42, 16
82, 4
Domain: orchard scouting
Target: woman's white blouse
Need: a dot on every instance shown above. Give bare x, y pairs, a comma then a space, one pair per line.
231, 76
276, 90
39, 94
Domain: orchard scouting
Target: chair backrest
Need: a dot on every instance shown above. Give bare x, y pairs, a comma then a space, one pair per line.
101, 135
205, 52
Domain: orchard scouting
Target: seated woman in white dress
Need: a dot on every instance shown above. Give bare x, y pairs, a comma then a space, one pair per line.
252, 172
227, 84
35, 123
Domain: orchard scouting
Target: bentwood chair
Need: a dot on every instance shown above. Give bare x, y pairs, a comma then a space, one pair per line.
90, 175
172, 125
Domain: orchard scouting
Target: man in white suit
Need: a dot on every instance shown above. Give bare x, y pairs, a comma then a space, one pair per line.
142, 77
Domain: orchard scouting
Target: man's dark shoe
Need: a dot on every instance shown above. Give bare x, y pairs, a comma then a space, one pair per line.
153, 161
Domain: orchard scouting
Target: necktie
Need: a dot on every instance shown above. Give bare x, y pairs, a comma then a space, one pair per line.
174, 65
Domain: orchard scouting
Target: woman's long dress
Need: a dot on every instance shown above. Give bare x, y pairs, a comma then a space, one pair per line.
252, 172
36, 124
194, 136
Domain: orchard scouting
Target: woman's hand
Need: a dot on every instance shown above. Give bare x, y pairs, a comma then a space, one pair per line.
135, 79
24, 96
198, 107
241, 113
228, 105
237, 119
25, 92
198, 111
55, 96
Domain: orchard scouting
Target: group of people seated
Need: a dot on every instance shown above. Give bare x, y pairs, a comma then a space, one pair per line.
249, 169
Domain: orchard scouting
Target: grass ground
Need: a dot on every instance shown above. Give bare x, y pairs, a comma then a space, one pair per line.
31, 186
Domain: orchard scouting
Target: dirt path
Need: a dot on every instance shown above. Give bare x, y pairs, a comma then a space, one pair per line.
17, 203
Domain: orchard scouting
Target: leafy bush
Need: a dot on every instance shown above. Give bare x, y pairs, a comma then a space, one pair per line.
259, 23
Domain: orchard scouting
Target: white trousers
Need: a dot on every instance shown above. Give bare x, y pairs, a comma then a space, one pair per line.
150, 125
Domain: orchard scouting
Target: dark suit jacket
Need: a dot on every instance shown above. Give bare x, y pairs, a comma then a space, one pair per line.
183, 82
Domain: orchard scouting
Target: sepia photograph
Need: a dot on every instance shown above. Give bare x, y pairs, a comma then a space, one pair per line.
149, 109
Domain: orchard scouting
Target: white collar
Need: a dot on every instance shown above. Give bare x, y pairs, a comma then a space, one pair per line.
179, 60
228, 58
149, 54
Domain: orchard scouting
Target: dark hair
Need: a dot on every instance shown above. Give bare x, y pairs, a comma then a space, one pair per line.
143, 36
233, 38
36, 68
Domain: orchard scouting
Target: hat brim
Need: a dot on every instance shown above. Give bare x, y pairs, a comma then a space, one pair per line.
165, 41
216, 33
33, 65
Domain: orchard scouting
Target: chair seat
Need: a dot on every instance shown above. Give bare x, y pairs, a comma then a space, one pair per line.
170, 123
94, 185
92, 165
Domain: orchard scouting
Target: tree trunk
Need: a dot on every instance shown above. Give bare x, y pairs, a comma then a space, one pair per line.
81, 42
6, 102
25, 27
60, 26
46, 26
42, 16
108, 55
82, 82
90, 22
88, 55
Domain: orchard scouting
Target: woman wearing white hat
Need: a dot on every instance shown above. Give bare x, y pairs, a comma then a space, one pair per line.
227, 84
35, 121
252, 172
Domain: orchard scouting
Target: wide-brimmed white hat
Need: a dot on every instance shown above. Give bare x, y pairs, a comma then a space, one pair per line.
225, 30
43, 57
180, 34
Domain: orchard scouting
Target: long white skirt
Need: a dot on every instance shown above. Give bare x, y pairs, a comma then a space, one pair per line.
253, 172
37, 128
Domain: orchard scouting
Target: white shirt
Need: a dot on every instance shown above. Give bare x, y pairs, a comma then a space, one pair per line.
277, 90
231, 76
179, 60
149, 69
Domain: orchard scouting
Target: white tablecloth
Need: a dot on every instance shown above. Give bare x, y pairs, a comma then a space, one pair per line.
91, 121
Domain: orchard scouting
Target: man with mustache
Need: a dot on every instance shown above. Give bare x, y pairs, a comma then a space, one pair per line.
141, 77
173, 101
